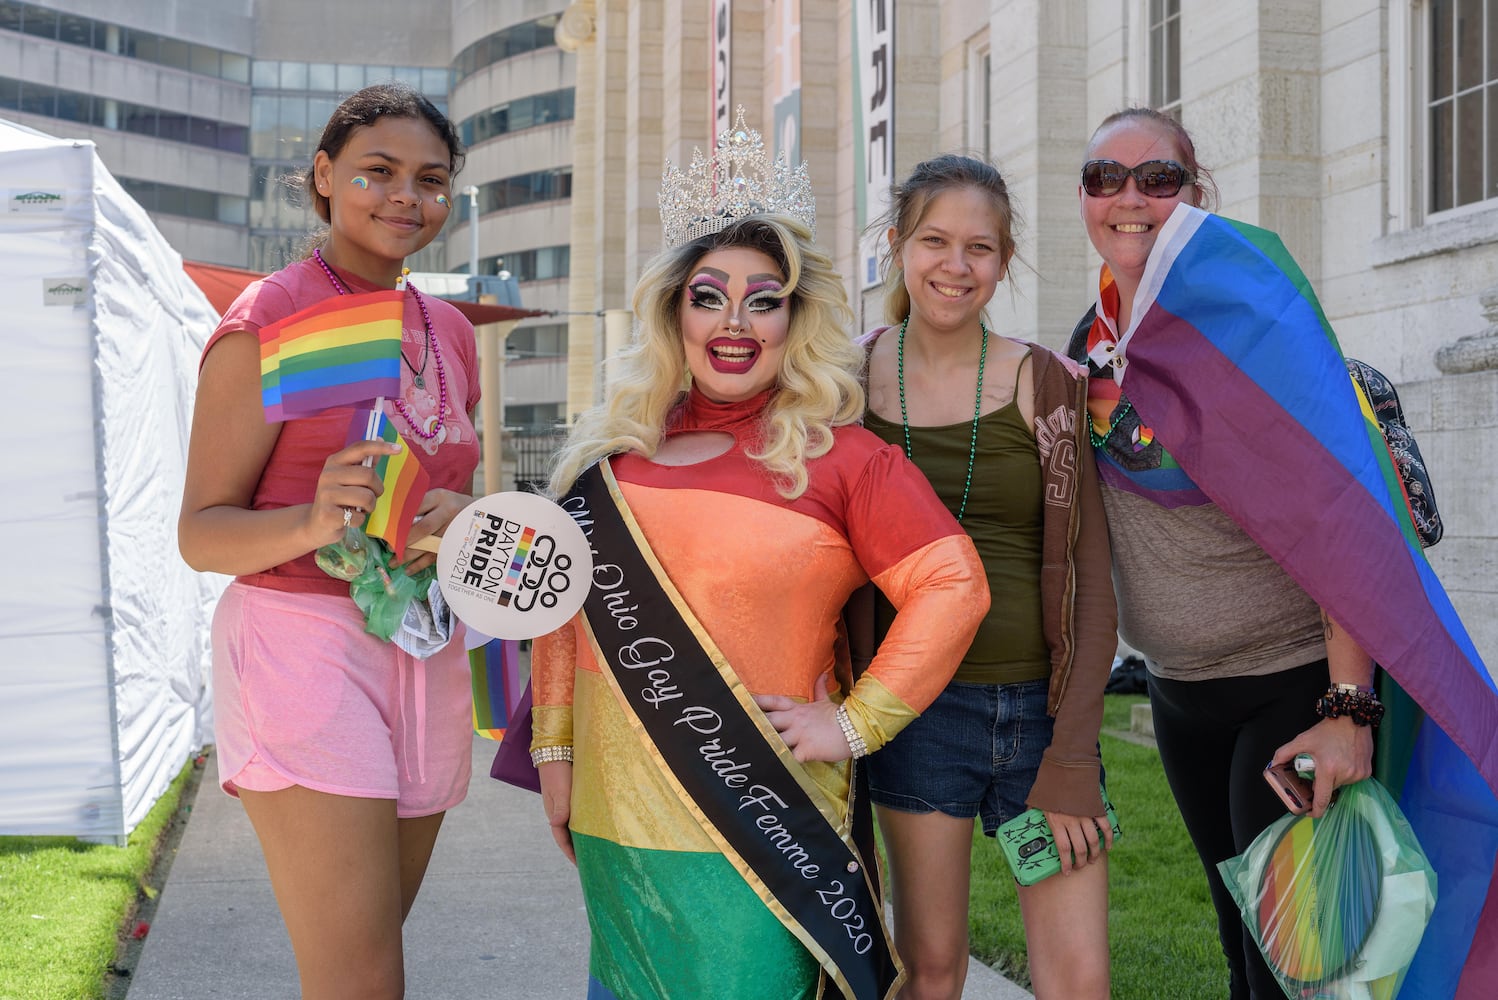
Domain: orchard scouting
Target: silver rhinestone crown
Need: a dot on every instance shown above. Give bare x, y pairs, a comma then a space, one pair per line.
739, 180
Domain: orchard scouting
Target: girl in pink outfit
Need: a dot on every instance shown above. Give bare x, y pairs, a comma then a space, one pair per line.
345, 750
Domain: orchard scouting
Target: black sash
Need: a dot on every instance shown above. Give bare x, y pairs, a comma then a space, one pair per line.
724, 758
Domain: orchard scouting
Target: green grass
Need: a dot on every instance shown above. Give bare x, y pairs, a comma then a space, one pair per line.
63, 903
1161, 925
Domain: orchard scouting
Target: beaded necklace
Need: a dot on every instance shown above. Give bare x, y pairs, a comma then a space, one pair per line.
430, 345
972, 450
1099, 440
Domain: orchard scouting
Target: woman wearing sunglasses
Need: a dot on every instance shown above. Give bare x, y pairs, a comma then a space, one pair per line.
1238, 653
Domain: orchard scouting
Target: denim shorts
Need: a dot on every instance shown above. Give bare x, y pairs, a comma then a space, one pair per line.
974, 752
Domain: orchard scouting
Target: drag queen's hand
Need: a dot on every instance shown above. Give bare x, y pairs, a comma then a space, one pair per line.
556, 799
810, 729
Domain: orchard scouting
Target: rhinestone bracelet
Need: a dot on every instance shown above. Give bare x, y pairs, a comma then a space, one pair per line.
551, 755
855, 742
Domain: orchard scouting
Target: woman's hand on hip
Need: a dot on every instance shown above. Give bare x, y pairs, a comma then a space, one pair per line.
810, 729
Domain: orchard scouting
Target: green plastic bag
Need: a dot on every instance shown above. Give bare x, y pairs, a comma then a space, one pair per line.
381, 591
1337, 905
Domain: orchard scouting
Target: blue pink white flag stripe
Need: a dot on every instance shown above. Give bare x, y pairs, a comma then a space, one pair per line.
1231, 361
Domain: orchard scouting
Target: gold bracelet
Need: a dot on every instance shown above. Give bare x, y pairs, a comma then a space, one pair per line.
855, 741
551, 755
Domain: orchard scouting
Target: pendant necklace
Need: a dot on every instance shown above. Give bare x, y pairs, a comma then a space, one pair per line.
972, 451
429, 346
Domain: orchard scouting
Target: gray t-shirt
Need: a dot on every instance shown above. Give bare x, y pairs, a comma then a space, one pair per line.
1200, 599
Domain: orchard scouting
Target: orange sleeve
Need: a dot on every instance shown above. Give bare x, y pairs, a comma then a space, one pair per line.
553, 666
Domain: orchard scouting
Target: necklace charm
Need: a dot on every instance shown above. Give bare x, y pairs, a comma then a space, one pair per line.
430, 429
972, 452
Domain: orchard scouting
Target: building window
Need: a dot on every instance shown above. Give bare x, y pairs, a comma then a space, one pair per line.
1165, 56
520, 113
520, 190
506, 44
980, 101
1462, 103
540, 264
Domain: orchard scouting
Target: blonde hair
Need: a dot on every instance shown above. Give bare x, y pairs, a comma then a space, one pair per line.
819, 379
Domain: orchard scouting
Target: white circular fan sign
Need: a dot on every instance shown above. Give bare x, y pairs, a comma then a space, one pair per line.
514, 565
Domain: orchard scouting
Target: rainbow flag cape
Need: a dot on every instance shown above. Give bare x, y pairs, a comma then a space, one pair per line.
406, 482
497, 685
343, 351
1231, 361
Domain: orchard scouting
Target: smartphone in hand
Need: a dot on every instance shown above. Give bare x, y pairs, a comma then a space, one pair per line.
1294, 791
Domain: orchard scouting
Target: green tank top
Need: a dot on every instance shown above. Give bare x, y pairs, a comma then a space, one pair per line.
1004, 518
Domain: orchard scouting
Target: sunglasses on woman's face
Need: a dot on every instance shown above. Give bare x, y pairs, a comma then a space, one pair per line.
1153, 178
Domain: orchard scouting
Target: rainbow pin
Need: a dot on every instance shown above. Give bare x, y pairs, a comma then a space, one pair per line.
362, 182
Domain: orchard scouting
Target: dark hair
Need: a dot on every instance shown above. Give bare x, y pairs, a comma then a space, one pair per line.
910, 200
1206, 187
382, 100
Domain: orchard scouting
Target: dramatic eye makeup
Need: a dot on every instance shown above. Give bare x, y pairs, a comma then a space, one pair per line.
763, 294
709, 290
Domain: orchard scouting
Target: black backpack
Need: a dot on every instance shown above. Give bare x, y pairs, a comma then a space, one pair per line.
1402, 448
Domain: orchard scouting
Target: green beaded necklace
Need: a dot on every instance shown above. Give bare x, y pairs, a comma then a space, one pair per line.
972, 450
1099, 440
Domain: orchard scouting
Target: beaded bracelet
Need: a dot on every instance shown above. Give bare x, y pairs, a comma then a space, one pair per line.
551, 755
855, 741
1357, 703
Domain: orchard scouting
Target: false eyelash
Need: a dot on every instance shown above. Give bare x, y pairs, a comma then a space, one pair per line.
765, 301
707, 297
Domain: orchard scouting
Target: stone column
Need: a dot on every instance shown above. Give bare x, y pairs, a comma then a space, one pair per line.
1479, 351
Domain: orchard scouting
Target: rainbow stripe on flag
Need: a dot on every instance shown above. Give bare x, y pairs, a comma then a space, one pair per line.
1226, 324
497, 686
340, 352
406, 482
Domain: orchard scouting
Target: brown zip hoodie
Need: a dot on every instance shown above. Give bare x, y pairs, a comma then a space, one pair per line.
1080, 615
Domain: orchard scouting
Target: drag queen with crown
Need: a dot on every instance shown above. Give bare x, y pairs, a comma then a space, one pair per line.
697, 730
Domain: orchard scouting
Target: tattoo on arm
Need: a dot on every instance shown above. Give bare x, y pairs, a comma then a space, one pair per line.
1326, 626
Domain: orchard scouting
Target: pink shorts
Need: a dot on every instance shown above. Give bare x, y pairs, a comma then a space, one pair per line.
304, 696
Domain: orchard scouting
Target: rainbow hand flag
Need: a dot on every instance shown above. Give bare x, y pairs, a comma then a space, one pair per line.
343, 351
406, 482
1231, 361
497, 685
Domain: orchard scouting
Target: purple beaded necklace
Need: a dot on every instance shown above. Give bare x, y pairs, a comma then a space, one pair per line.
431, 345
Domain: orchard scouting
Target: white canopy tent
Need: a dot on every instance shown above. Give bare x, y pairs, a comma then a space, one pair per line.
104, 671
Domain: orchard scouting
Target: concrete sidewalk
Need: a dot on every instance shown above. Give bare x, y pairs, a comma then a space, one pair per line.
499, 915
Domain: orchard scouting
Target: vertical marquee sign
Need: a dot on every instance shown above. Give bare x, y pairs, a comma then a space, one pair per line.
721, 30
874, 147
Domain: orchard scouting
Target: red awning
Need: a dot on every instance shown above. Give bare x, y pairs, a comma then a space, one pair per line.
223, 284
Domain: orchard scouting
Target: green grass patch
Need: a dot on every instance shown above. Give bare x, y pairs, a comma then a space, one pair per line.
1161, 925
63, 903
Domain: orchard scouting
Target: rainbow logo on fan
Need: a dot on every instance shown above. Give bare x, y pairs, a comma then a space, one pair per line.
1317, 901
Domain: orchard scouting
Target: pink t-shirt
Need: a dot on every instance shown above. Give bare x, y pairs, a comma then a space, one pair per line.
290, 474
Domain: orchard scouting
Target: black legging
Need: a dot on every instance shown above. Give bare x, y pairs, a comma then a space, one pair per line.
1215, 736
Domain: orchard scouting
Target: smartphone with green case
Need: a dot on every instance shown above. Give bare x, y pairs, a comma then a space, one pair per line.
1030, 847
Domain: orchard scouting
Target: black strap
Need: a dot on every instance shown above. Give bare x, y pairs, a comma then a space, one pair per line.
721, 754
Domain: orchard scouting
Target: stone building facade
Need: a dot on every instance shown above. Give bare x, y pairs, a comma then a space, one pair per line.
1365, 132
